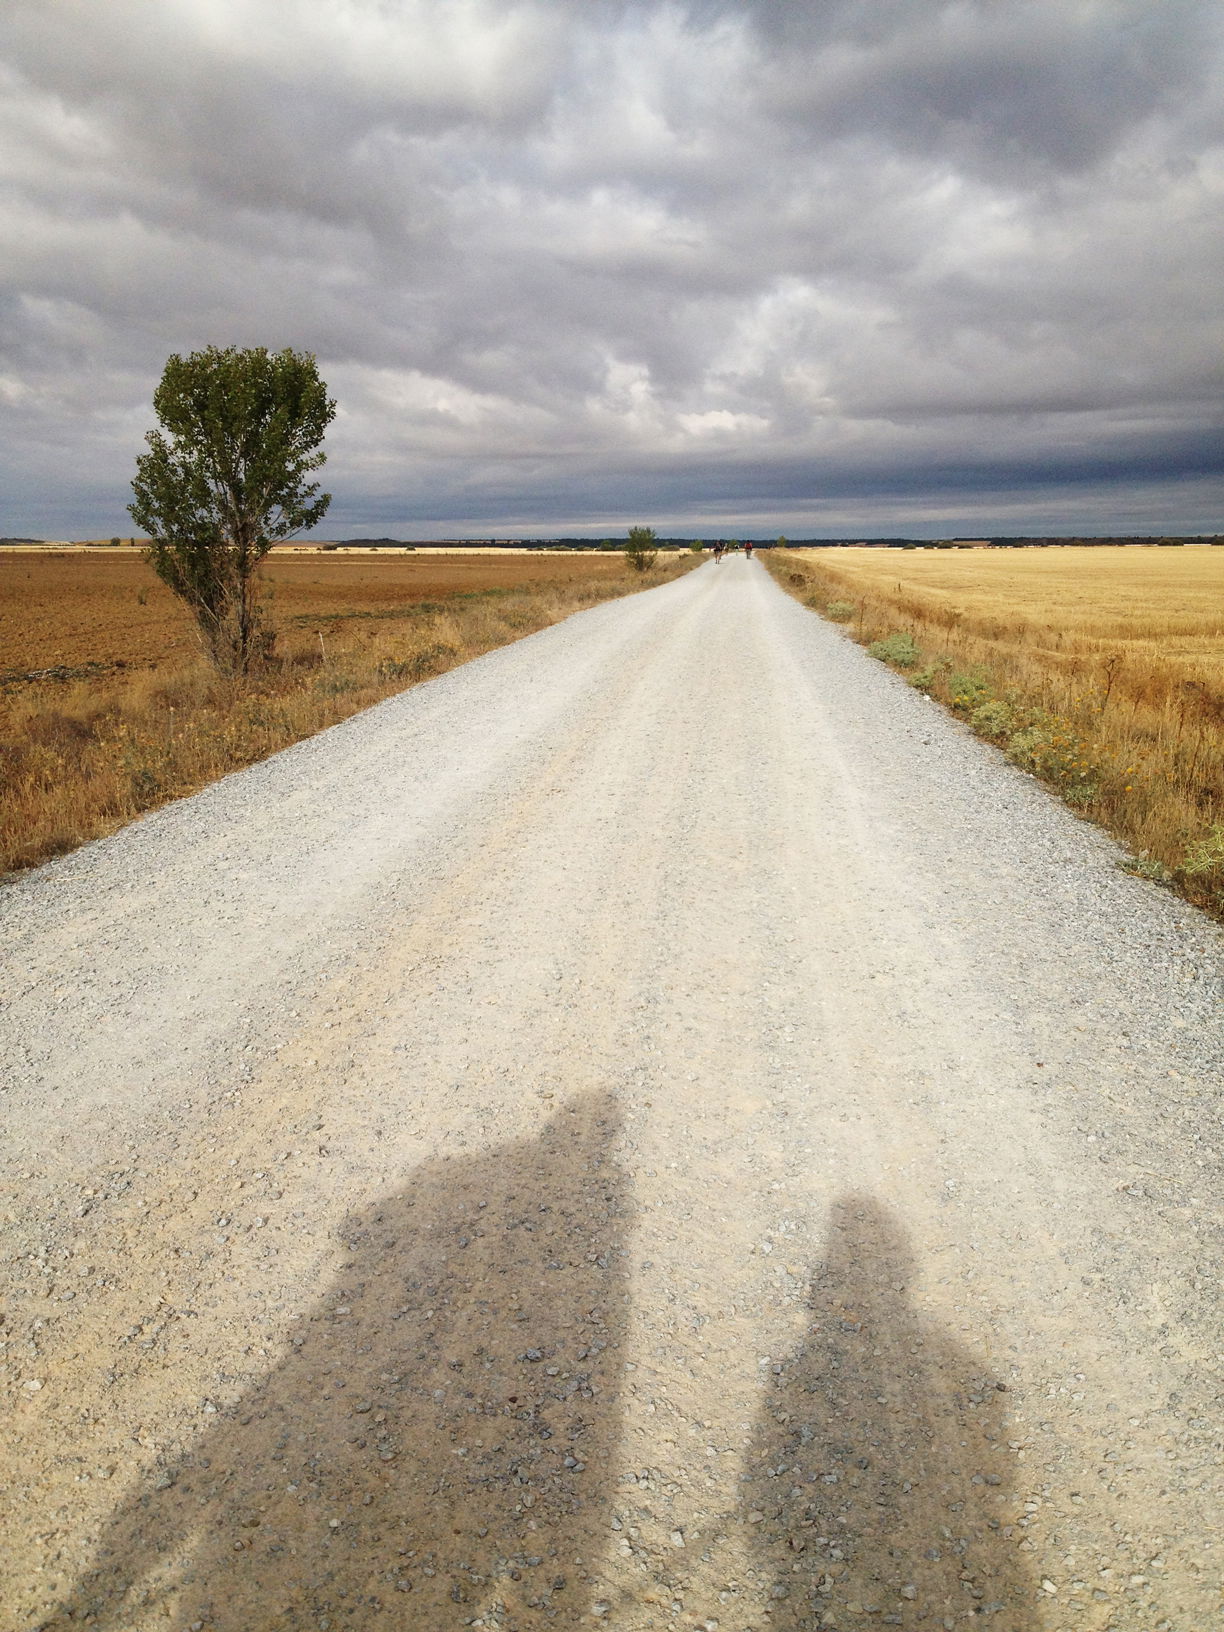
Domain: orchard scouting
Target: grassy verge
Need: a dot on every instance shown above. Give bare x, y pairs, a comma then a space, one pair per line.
1125, 741
79, 757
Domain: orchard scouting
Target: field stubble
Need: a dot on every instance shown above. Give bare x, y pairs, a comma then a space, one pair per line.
108, 708
1097, 670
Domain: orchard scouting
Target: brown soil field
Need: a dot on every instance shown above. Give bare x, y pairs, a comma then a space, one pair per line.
75, 610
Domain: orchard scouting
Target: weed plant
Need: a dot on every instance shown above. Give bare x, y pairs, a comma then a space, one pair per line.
899, 649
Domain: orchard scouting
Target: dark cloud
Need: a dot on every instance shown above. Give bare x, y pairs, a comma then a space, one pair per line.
1012, 91
565, 261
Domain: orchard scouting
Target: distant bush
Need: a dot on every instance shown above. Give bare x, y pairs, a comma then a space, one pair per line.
641, 548
840, 611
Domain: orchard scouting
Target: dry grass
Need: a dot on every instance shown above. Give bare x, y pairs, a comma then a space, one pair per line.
133, 716
1099, 670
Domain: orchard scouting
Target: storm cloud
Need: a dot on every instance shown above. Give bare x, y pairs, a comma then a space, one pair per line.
886, 266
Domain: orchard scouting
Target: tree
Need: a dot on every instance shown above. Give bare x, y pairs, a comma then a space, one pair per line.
696, 546
641, 549
228, 481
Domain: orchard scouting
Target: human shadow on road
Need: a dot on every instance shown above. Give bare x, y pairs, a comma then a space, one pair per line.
435, 1448
879, 1481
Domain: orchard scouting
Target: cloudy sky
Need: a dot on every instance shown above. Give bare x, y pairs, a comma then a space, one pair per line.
819, 266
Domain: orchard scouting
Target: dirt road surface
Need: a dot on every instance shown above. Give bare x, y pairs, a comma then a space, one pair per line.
657, 1128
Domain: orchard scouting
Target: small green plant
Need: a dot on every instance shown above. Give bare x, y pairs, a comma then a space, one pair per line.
1205, 858
1079, 794
899, 648
1028, 746
641, 549
969, 688
994, 718
840, 611
1047, 748
925, 678
1146, 867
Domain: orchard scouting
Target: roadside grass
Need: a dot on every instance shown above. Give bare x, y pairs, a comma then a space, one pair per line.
80, 757
1121, 712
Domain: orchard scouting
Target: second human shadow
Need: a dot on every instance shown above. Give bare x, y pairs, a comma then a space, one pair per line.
879, 1484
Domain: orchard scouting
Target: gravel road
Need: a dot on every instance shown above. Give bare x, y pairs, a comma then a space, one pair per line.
656, 1128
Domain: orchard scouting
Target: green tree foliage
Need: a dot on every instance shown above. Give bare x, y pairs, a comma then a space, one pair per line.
696, 546
228, 480
641, 549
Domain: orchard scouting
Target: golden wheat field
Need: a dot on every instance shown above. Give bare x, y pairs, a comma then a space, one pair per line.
108, 708
1165, 604
1101, 670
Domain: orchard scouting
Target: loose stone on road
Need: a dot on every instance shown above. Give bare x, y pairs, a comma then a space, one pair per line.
655, 1128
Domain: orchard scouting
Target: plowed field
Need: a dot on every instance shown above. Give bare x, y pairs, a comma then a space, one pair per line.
73, 610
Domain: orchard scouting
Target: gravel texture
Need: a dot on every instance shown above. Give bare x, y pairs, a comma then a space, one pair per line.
658, 1127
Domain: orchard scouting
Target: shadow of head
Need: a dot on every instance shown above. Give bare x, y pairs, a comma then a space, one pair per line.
880, 1480
434, 1444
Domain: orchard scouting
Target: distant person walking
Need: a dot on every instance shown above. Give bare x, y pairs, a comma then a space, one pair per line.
748, 549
